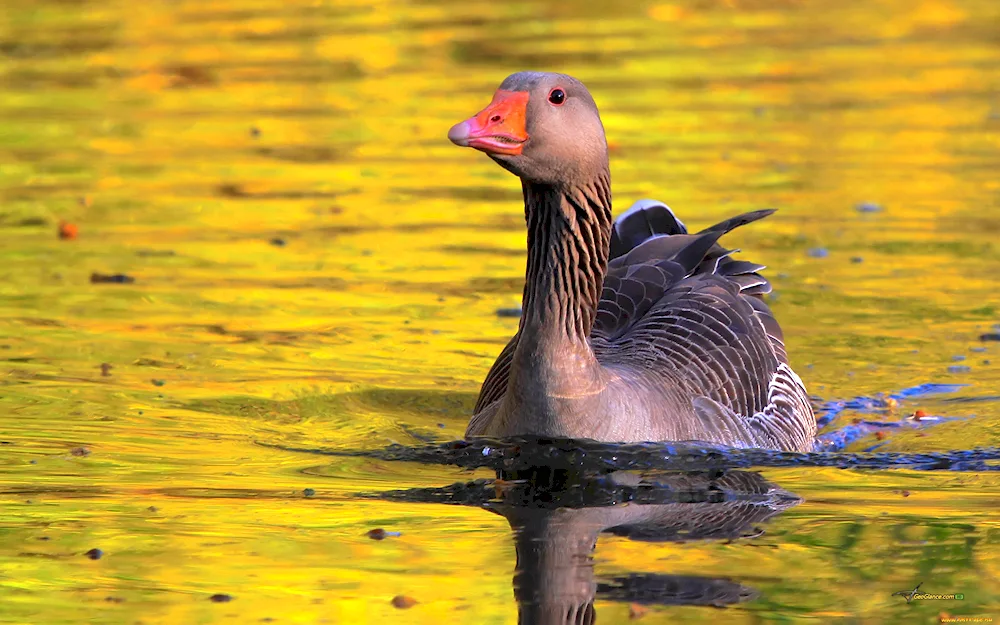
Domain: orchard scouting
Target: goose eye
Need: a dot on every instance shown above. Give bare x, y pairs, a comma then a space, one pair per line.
557, 96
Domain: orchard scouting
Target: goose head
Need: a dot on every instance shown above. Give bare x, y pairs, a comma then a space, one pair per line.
542, 127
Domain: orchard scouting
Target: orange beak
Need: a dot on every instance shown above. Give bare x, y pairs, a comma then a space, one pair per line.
497, 129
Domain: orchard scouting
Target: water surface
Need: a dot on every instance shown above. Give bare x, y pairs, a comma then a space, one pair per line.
315, 266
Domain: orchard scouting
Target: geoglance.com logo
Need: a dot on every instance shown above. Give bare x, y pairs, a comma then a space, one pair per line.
916, 595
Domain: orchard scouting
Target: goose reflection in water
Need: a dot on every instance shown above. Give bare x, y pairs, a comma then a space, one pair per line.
556, 520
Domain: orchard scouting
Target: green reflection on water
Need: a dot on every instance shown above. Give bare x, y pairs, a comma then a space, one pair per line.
184, 137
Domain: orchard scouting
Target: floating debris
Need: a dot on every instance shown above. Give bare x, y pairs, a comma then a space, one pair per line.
636, 611
79, 452
959, 369
254, 132
158, 382
919, 414
502, 487
277, 242
509, 312
403, 602
95, 554
868, 207
380, 534
68, 231
105, 369
857, 260
220, 598
990, 336
308, 492
958, 358
114, 278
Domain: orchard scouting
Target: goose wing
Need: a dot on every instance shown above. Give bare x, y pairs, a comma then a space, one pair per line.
678, 307
495, 384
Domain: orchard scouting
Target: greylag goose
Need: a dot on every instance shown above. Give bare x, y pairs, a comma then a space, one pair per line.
632, 330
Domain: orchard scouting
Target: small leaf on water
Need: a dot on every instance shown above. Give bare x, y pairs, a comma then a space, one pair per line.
68, 231
403, 602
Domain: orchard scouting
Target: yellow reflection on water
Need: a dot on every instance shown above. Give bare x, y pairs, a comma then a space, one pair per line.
315, 266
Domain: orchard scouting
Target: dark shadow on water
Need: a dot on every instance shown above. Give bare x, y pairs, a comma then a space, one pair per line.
556, 531
527, 453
